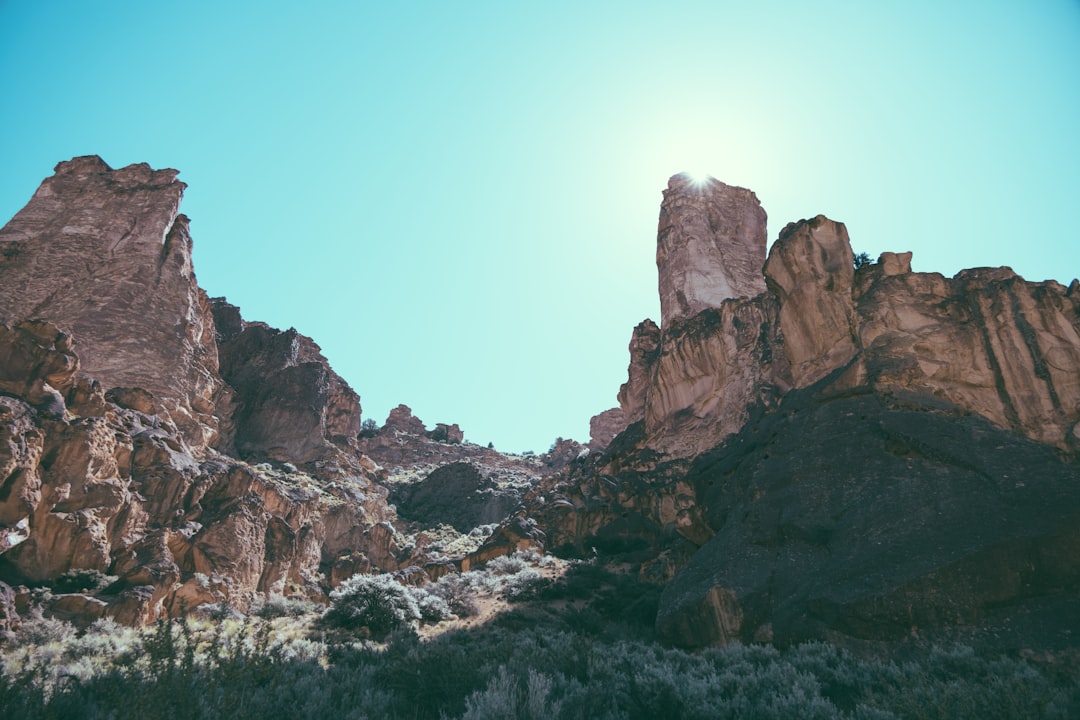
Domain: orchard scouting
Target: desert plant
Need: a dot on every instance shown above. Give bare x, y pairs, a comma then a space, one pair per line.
433, 608
458, 593
505, 565
278, 606
376, 602
82, 581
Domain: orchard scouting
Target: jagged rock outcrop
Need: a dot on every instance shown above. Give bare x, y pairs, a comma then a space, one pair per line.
291, 406
401, 420
403, 447
437, 478
810, 272
105, 255
37, 362
710, 246
121, 494
867, 454
604, 427
985, 342
644, 348
118, 440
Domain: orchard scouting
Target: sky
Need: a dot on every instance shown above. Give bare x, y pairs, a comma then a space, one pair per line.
458, 201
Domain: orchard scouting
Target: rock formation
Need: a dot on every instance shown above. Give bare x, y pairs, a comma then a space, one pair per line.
105, 255
710, 246
291, 406
841, 515
155, 437
604, 427
984, 342
801, 449
840, 453
458, 495
437, 478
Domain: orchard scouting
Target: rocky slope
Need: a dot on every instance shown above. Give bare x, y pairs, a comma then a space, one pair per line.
865, 454
154, 437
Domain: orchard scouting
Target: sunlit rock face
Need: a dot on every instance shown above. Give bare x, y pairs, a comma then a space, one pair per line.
710, 246
120, 427
869, 454
105, 255
810, 272
985, 342
644, 346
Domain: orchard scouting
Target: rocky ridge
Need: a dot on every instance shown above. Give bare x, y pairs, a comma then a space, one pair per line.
770, 434
153, 437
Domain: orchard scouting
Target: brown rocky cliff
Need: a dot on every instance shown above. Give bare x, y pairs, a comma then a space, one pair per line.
106, 255
291, 405
870, 454
117, 449
985, 342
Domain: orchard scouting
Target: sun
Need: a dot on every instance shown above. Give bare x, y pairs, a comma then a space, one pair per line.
698, 177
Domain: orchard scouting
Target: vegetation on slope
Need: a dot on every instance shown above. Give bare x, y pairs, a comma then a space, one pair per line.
577, 647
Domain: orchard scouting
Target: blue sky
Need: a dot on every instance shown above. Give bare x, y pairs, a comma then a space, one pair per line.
458, 201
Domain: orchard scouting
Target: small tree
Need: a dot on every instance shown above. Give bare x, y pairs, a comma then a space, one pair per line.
377, 602
369, 428
862, 260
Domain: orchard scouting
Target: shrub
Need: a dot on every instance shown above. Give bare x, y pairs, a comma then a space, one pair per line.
433, 608
376, 602
279, 606
505, 565
82, 581
458, 593
369, 428
524, 585
42, 631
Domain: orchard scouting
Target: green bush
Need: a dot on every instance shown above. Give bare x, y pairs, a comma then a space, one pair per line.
82, 581
376, 602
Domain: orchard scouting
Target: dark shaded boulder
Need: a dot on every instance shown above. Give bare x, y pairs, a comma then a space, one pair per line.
290, 404
455, 494
848, 517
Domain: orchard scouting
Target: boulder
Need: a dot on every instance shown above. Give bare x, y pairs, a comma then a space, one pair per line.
290, 405
841, 517
455, 494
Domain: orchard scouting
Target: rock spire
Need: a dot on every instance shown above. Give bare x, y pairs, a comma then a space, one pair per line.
710, 246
